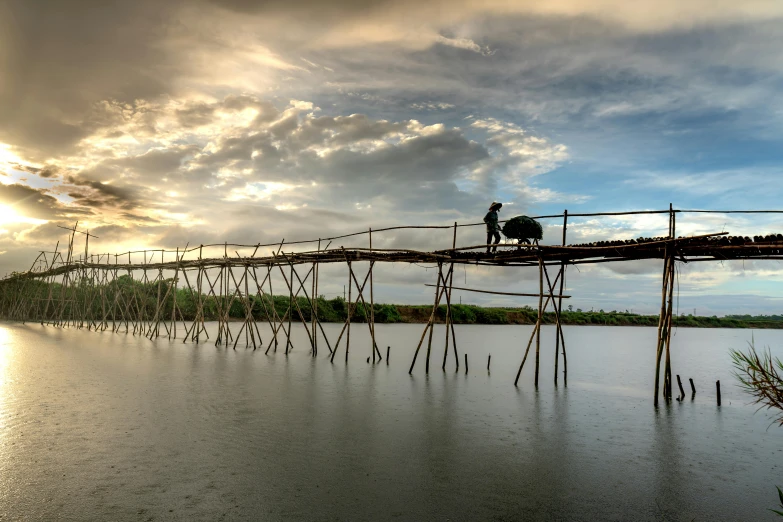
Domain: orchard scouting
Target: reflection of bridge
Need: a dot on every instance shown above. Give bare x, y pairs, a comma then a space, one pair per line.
143, 291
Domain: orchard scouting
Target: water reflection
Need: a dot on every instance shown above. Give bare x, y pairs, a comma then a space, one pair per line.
173, 430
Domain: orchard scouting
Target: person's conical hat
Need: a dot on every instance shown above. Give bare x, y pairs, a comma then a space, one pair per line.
495, 205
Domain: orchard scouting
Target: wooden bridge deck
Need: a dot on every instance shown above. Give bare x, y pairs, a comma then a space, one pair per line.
710, 247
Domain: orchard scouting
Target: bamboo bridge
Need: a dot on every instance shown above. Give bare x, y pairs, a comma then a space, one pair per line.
112, 291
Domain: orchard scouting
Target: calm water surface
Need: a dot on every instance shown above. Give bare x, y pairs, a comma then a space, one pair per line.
103, 426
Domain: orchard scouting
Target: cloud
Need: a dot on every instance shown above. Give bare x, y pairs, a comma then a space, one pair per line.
102, 194
432, 106
165, 169
178, 120
464, 43
36, 203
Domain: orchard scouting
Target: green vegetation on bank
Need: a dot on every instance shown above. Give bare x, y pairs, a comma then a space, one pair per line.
126, 297
469, 314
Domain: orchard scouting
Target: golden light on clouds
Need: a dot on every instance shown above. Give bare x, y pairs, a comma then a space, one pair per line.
9, 216
6, 156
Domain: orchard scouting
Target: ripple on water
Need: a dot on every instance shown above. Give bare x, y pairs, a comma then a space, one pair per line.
115, 427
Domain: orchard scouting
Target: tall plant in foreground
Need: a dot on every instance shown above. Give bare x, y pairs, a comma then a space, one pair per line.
761, 377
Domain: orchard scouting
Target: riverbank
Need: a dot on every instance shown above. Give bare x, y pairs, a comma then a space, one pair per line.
468, 314
156, 300
335, 310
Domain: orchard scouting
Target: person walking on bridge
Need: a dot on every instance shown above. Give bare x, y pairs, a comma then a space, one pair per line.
493, 229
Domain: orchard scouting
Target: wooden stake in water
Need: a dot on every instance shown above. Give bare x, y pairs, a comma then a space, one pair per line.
372, 310
560, 309
432, 317
350, 310
540, 313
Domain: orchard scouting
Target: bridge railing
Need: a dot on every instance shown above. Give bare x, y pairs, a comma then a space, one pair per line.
213, 250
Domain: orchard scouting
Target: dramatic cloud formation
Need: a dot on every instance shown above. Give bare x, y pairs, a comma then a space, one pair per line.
155, 124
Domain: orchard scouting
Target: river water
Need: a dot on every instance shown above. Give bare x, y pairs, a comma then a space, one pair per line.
104, 426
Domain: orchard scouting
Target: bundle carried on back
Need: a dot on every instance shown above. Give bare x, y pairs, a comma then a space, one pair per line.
523, 228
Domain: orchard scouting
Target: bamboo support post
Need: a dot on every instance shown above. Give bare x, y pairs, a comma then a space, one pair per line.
314, 305
429, 323
360, 298
348, 318
372, 308
290, 310
346, 324
449, 316
274, 308
433, 315
560, 309
668, 374
557, 310
540, 313
296, 294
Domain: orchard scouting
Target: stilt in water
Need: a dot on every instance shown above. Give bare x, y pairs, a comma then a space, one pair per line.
438, 296
682, 392
449, 313
540, 313
559, 307
432, 317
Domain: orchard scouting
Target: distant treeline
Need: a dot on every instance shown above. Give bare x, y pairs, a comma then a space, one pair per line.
128, 297
469, 314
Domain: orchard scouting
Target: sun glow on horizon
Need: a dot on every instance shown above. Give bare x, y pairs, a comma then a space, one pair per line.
8, 215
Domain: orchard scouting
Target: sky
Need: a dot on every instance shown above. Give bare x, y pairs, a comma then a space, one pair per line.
160, 124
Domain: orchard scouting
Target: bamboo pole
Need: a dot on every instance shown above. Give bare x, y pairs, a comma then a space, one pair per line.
372, 309
199, 303
312, 309
449, 319
663, 321
274, 308
661, 325
290, 310
313, 312
560, 307
315, 304
540, 313
262, 296
294, 296
518, 294
530, 341
429, 323
173, 329
672, 266
360, 296
558, 312
671, 305
434, 311
348, 319
346, 324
